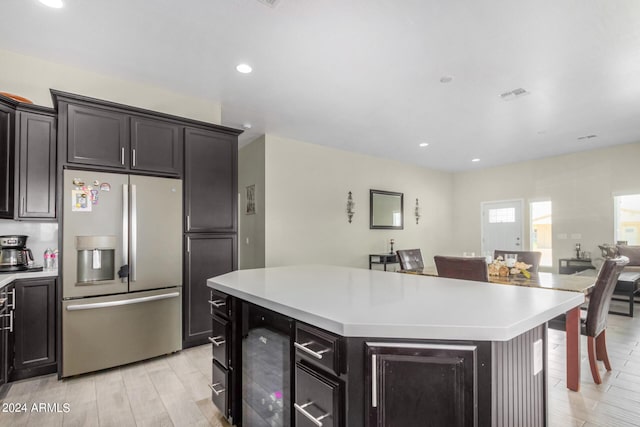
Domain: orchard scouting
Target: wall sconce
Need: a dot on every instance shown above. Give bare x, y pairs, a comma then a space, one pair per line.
417, 211
350, 206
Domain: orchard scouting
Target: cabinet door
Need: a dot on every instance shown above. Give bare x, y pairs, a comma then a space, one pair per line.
5, 313
211, 188
206, 256
421, 385
156, 146
34, 330
37, 166
97, 137
6, 163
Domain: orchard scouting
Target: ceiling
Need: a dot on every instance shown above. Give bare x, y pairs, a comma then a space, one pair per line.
364, 75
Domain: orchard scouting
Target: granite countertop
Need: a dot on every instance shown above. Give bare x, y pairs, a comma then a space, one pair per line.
6, 278
369, 303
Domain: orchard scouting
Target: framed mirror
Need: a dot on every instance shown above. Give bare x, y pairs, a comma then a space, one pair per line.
386, 210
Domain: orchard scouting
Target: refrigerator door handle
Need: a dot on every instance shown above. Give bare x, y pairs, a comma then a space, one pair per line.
125, 226
134, 233
94, 305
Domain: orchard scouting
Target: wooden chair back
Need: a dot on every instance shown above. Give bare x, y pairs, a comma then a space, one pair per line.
466, 268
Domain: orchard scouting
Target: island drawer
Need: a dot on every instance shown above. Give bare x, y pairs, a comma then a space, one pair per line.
220, 303
219, 389
318, 399
220, 340
318, 347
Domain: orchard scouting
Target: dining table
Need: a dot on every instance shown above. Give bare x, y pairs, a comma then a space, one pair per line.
553, 282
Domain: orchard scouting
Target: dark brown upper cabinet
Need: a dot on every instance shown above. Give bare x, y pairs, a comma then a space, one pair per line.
210, 181
37, 172
6, 161
156, 146
28, 161
97, 137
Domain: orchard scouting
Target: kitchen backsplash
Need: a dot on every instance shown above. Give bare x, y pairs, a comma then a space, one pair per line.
42, 235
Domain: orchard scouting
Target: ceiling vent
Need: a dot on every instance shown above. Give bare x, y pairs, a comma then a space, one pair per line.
270, 3
513, 94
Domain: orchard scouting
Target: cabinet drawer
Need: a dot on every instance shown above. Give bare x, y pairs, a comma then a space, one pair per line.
220, 304
318, 347
318, 399
220, 340
219, 389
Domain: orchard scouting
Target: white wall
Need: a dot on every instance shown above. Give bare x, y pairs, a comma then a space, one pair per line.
305, 205
580, 186
32, 78
251, 234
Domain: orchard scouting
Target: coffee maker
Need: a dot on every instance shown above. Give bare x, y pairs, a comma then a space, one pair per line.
14, 255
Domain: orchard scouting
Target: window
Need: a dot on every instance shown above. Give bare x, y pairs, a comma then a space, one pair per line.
627, 218
541, 235
502, 215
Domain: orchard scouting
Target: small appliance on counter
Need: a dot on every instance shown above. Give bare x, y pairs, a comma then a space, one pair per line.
15, 256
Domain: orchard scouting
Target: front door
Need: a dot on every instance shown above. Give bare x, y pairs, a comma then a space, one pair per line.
502, 226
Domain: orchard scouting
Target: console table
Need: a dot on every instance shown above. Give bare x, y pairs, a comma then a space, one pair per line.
629, 286
384, 259
574, 265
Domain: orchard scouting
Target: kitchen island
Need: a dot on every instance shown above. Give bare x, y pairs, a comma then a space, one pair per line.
354, 347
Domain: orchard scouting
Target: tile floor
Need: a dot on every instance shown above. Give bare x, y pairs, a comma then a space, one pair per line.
173, 390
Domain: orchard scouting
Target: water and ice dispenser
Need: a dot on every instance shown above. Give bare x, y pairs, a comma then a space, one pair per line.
96, 256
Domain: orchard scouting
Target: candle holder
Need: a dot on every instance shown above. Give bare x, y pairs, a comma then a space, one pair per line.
350, 207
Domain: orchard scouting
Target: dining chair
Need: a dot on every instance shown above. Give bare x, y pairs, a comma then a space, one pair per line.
466, 268
410, 259
528, 257
594, 324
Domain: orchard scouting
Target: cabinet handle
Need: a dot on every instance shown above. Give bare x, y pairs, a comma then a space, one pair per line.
12, 304
217, 303
188, 222
122, 155
217, 340
374, 382
23, 205
305, 347
10, 328
134, 158
317, 421
213, 388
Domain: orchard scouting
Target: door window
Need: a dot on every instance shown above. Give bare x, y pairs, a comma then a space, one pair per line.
540, 228
627, 219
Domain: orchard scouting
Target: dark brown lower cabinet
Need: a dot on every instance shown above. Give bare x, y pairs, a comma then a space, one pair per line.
318, 398
437, 382
219, 392
6, 325
207, 255
34, 337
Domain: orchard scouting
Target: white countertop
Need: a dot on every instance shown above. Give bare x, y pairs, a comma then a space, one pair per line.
355, 302
6, 278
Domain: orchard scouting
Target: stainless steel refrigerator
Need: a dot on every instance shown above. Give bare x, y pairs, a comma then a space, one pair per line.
121, 269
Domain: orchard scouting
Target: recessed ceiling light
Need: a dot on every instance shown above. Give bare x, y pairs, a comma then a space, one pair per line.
424, 144
57, 4
246, 125
475, 160
244, 68
446, 79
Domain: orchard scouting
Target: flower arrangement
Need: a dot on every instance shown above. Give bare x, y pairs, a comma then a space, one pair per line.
499, 268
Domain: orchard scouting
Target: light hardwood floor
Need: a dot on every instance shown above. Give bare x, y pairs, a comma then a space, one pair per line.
173, 390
